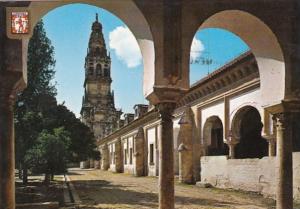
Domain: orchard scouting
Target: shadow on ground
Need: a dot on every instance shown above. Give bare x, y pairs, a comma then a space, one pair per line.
94, 192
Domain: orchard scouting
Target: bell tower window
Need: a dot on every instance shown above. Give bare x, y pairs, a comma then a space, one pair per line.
98, 69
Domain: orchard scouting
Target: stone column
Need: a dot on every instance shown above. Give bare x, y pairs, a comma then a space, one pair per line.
284, 190
105, 157
119, 156
139, 153
272, 144
7, 152
232, 142
166, 156
186, 148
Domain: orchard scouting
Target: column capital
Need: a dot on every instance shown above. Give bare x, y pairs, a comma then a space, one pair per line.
270, 138
166, 110
165, 94
230, 140
283, 119
182, 147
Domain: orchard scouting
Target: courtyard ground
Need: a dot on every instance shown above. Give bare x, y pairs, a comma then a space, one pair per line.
37, 192
107, 190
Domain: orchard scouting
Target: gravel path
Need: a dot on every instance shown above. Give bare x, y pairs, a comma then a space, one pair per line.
103, 189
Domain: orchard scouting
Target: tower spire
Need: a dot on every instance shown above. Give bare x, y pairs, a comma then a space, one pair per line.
97, 17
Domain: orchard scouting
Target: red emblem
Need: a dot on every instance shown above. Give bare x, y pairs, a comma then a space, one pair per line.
19, 22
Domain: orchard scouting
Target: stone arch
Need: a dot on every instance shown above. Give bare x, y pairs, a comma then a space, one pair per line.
246, 128
131, 16
213, 137
263, 43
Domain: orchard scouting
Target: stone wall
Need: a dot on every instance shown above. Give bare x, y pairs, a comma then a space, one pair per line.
257, 175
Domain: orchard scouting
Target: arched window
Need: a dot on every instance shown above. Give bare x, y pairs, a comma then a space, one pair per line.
98, 70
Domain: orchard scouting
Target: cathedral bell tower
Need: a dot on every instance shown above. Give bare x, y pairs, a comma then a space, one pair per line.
98, 109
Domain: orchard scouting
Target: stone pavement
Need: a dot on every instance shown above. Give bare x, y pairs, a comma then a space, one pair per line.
104, 189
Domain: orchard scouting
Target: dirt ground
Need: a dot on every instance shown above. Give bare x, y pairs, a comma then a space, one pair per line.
36, 191
104, 189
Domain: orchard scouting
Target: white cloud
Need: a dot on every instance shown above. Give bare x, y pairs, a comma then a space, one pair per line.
125, 45
196, 49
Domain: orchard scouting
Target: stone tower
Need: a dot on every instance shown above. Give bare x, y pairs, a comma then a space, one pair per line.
98, 109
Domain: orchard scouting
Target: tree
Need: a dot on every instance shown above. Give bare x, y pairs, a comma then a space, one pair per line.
38, 95
27, 129
82, 139
49, 155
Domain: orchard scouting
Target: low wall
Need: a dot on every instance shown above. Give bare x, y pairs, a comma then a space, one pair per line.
112, 167
257, 175
152, 171
85, 164
128, 168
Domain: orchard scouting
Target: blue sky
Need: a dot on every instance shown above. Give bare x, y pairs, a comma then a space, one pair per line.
69, 28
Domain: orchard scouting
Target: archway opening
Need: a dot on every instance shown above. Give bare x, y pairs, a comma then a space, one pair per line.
248, 130
211, 50
213, 136
263, 44
92, 67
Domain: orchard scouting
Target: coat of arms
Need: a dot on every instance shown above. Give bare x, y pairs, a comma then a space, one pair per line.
19, 22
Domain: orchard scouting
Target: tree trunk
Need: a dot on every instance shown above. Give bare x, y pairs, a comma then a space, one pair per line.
25, 174
47, 178
52, 176
20, 172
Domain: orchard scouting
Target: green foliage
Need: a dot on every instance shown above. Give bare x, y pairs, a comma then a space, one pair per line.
82, 139
40, 67
27, 129
49, 155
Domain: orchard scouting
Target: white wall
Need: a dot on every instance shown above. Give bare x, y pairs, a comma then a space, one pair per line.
112, 149
151, 134
250, 98
257, 175
129, 167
